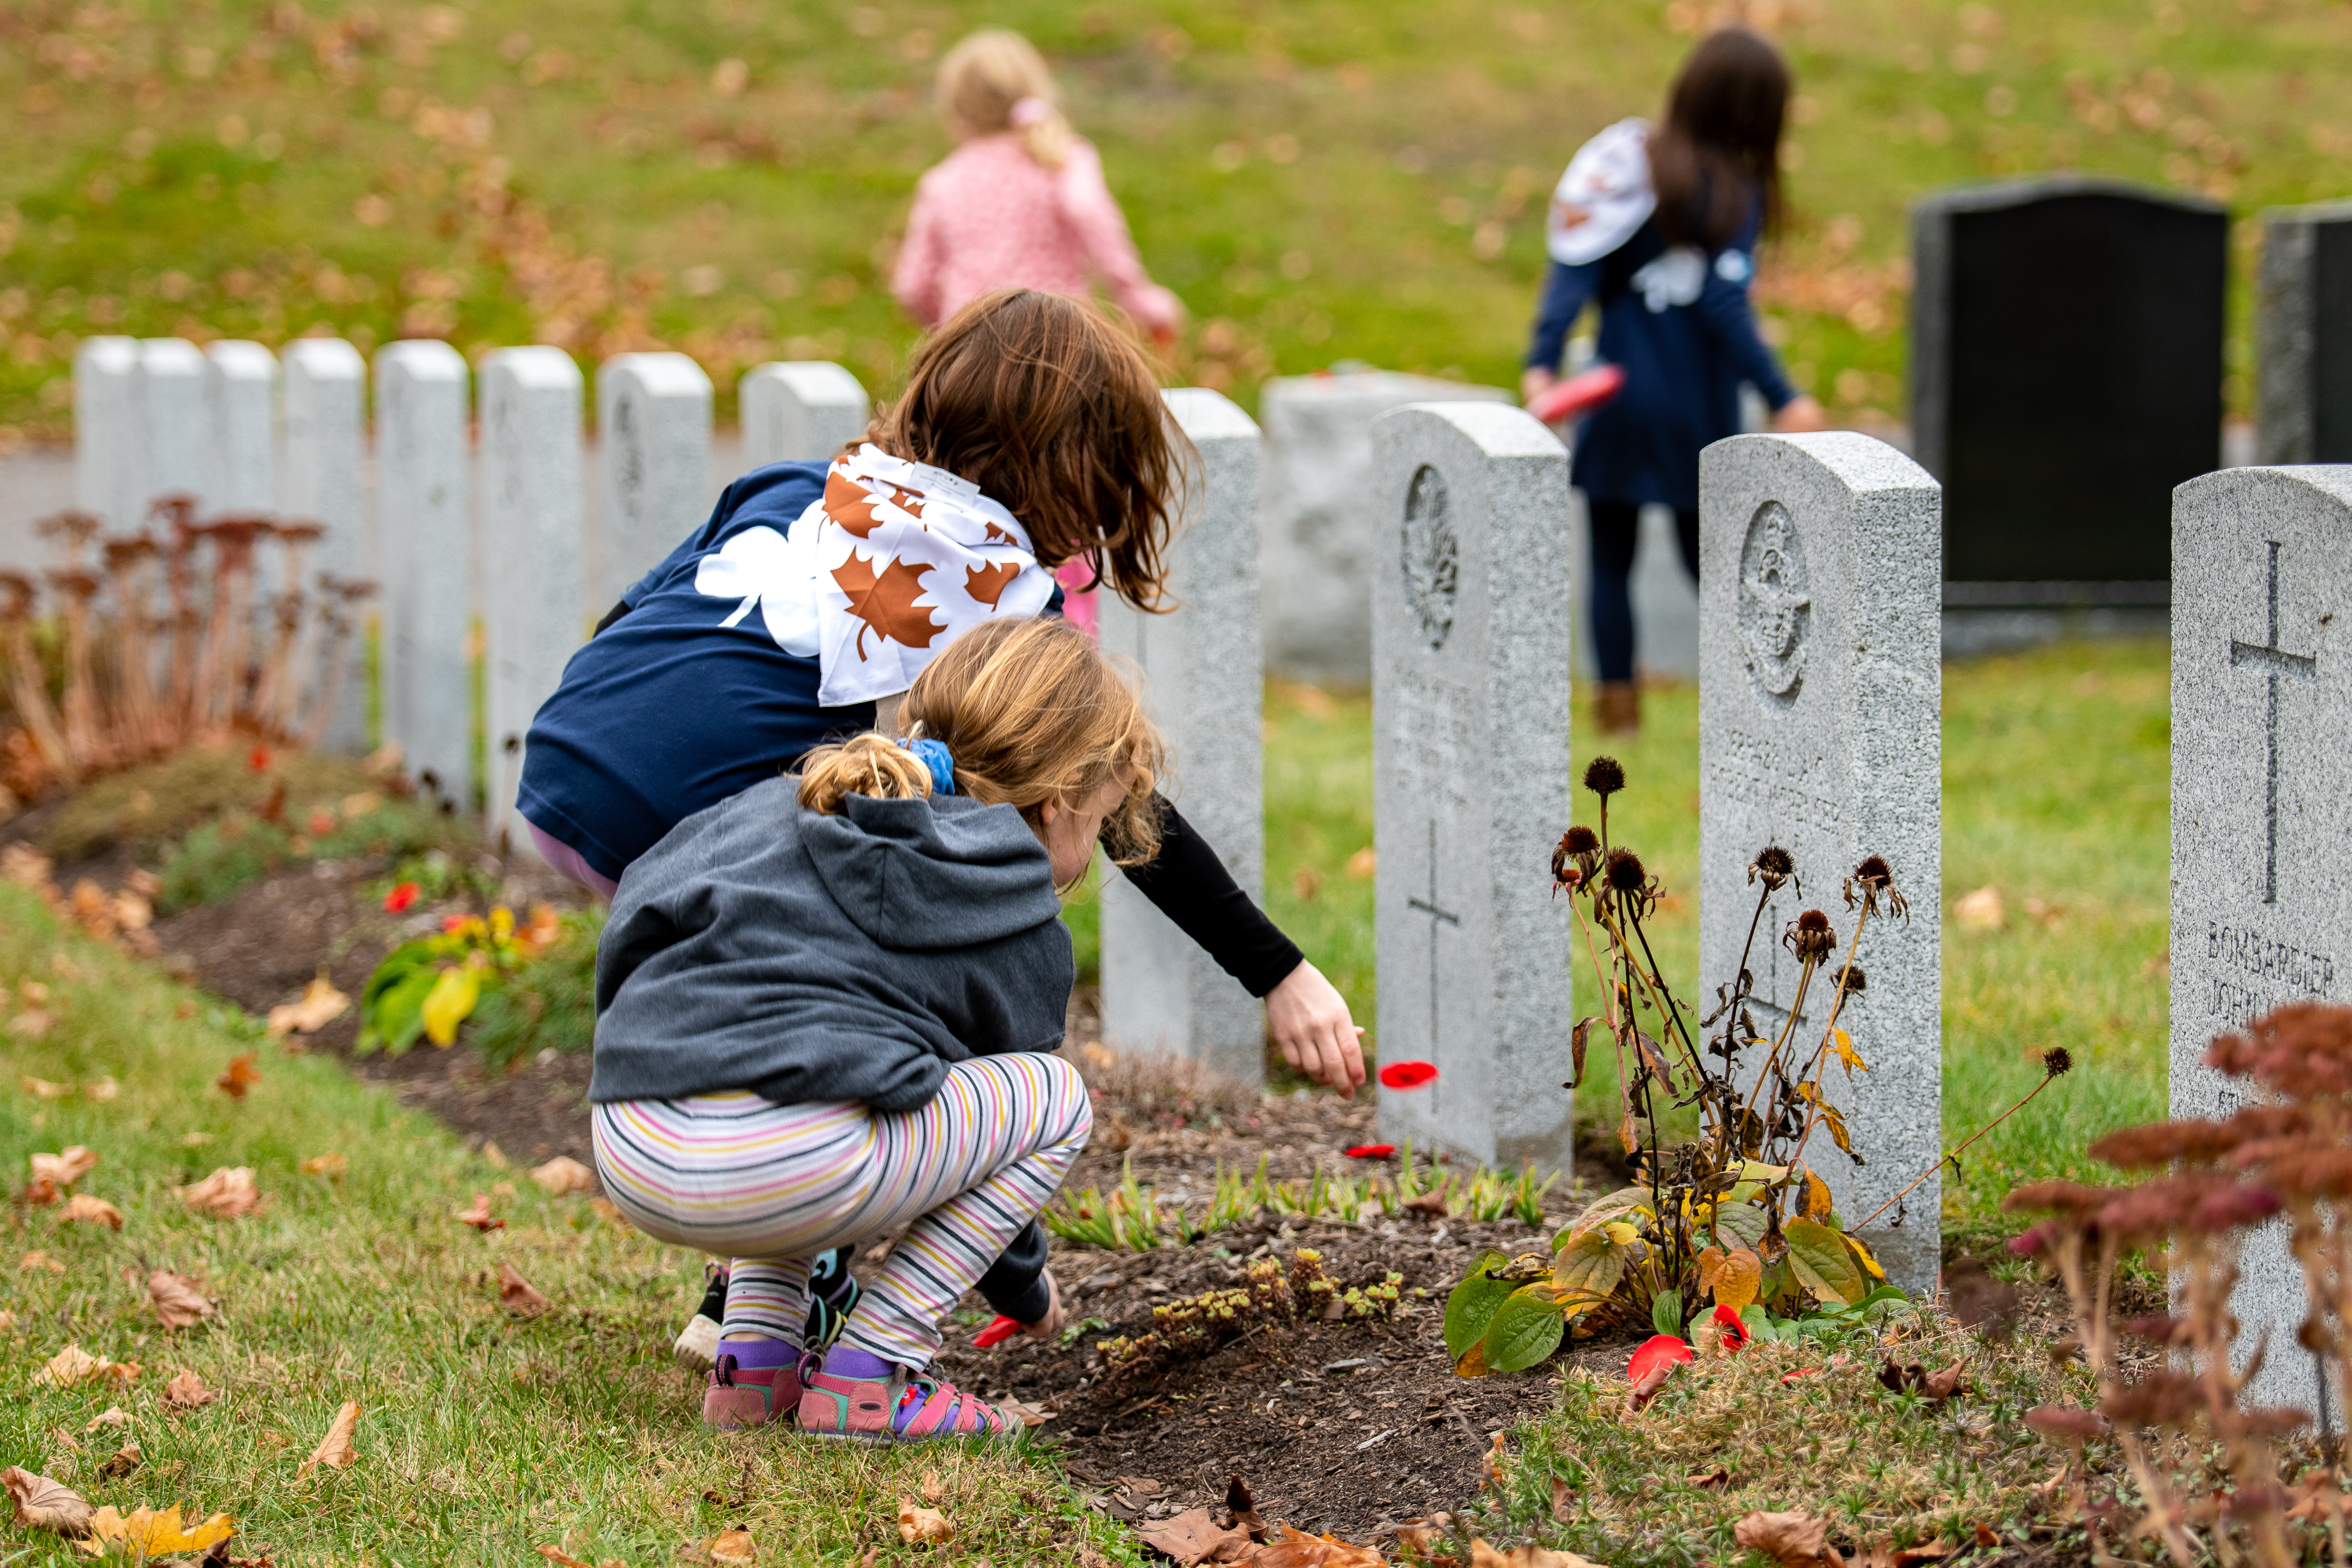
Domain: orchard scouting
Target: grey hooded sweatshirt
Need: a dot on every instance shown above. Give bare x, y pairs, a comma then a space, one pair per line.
804, 957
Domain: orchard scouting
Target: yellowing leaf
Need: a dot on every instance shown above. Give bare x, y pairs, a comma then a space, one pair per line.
563, 1175
228, 1193
335, 1450
1737, 1278
87, 1210
918, 1525
319, 1005
177, 1301
43, 1504
66, 1168
1823, 1263
1628, 1204
450, 1003
1852, 1058
1816, 1202
1588, 1269
146, 1534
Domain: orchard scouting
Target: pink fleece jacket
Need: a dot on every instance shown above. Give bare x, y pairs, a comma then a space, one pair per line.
990, 217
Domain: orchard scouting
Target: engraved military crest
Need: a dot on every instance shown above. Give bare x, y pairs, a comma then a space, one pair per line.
1775, 603
1432, 556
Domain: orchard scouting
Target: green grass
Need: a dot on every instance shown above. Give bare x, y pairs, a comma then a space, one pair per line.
1320, 179
481, 1436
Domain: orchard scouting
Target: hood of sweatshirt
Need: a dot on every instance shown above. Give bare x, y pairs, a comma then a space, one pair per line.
923, 875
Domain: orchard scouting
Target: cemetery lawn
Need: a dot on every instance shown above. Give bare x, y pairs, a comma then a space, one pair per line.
2056, 776
480, 1435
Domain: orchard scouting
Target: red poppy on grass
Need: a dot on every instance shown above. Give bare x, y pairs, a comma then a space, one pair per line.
1658, 1350
1407, 1075
1372, 1151
397, 902
1735, 1333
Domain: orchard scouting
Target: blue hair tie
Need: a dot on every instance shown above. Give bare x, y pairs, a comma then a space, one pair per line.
939, 760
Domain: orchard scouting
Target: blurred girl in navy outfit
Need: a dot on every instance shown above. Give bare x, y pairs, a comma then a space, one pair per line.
1659, 227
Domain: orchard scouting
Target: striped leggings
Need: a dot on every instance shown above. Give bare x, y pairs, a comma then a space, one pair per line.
771, 1186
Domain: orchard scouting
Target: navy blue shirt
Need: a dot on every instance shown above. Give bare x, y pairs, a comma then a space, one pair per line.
1677, 322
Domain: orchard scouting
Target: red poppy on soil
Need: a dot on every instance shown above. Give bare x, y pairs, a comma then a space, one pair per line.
1407, 1075
1372, 1151
397, 902
1735, 1333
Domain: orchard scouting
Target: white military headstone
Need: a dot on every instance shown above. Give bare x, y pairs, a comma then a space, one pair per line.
174, 422
1322, 544
2262, 809
325, 482
427, 559
1470, 759
1820, 730
1160, 993
653, 430
537, 613
798, 411
109, 448
240, 389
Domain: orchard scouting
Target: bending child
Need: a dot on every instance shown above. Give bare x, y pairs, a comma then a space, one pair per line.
827, 1008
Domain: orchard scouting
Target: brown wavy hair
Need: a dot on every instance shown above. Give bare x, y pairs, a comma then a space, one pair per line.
1719, 148
1053, 409
1031, 713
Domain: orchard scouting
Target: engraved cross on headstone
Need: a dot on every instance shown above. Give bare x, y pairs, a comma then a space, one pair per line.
1436, 913
2276, 664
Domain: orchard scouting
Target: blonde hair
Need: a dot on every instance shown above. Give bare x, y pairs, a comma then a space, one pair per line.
982, 81
1031, 713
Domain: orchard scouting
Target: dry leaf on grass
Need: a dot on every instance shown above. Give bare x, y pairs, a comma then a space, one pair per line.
41, 1088
516, 1295
65, 1167
43, 1504
1884, 1553
73, 1366
40, 1193
563, 1559
1484, 1556
1296, 1549
564, 1175
101, 1090
145, 1535
187, 1392
112, 1417
335, 1450
31, 1024
479, 1215
244, 1072
1793, 1539
36, 1259
125, 1460
332, 1166
87, 1210
733, 1546
1191, 1537
228, 1193
319, 1005
918, 1525
178, 1301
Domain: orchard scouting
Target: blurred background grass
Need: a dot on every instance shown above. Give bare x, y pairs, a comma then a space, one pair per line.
1319, 180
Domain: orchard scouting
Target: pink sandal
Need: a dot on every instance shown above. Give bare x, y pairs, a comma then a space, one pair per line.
899, 1407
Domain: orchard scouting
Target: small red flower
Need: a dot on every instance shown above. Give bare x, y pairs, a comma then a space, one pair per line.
257, 759
996, 1333
1735, 1333
397, 902
1658, 1350
452, 924
1371, 1151
1408, 1075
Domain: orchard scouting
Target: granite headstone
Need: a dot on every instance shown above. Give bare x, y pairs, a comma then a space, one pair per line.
1322, 544
1203, 670
241, 391
110, 452
2303, 335
326, 483
174, 422
798, 411
1820, 730
652, 426
2066, 375
1470, 762
427, 546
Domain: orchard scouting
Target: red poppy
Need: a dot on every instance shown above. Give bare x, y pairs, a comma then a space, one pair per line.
397, 902
996, 1333
1789, 1377
1656, 1351
452, 924
257, 759
1735, 1333
1408, 1075
1372, 1151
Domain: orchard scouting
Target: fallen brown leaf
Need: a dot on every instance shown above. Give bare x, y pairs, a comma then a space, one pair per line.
112, 1417
87, 1210
31, 1024
101, 1090
36, 1259
1431, 1204
1793, 1539
332, 1166
40, 1193
1709, 1481
918, 1525
74, 1366
177, 1300
187, 1392
1296, 1549
1651, 1381
1240, 1508
244, 1072
43, 1504
1484, 1556
41, 1088
65, 1167
335, 1450
1424, 1536
1189, 1537
228, 1193
1942, 1385
564, 1175
563, 1559
65, 1440
733, 1546
1563, 1497
516, 1295
125, 1460
479, 1215
319, 1005
1027, 1414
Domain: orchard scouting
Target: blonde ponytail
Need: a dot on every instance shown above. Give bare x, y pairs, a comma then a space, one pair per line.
870, 765
995, 81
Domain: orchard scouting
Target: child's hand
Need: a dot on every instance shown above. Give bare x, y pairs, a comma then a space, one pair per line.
1046, 1327
1310, 1024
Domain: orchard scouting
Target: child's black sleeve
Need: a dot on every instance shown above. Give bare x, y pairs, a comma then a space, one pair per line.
1189, 884
1016, 1283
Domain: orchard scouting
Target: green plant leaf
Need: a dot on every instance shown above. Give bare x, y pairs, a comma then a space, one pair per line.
1625, 1203
1822, 1263
1666, 1313
397, 966
397, 1015
1739, 1224
1472, 1306
1587, 1271
1526, 1328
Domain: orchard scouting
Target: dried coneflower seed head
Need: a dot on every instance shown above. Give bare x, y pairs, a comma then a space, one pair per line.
1581, 840
2057, 1061
1772, 866
1604, 776
1626, 872
1809, 935
1855, 981
1873, 872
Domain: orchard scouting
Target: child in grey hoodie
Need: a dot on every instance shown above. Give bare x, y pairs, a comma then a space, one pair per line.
827, 1007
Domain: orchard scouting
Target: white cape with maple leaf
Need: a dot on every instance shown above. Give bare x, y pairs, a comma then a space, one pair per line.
895, 563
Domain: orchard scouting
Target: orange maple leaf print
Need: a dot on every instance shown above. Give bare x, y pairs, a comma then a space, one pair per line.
886, 603
987, 583
852, 505
996, 535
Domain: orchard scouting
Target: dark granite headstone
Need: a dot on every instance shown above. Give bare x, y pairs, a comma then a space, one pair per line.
2065, 375
2303, 335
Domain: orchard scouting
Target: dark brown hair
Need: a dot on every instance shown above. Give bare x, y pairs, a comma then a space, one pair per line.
1051, 409
1720, 144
